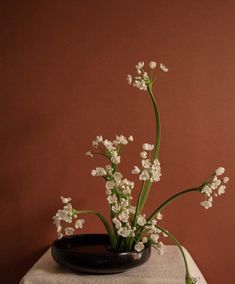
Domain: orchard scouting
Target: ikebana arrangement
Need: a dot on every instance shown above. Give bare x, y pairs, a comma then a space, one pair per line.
130, 229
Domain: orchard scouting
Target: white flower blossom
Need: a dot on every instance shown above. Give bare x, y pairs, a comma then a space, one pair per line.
154, 237
207, 190
135, 171
99, 139
79, 223
124, 232
220, 171
130, 138
144, 240
221, 189
139, 65
225, 180
129, 79
163, 68
148, 147
65, 200
144, 175
159, 216
160, 248
124, 216
146, 164
152, 64
141, 220
89, 154
139, 246
112, 198
140, 84
207, 204
95, 144
99, 171
143, 155
69, 231
110, 185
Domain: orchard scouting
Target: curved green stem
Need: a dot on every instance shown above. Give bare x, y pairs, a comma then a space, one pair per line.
181, 250
112, 236
158, 124
148, 184
168, 201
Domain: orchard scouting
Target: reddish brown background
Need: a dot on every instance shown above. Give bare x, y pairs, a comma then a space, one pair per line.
63, 70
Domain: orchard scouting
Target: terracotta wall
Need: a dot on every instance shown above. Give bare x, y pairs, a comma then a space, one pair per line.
63, 71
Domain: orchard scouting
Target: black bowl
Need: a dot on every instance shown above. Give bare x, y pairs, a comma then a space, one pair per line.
90, 253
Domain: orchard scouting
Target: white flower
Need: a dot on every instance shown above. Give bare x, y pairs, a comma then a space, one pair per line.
129, 79
143, 155
139, 246
132, 210
207, 204
118, 225
124, 232
59, 228
116, 159
159, 216
108, 144
139, 65
89, 154
152, 64
130, 138
141, 220
220, 171
117, 177
99, 138
207, 190
110, 185
60, 236
144, 175
154, 222
160, 248
163, 68
135, 171
226, 179
120, 140
112, 198
95, 144
154, 237
148, 147
144, 240
140, 84
79, 223
116, 208
146, 164
221, 189
65, 200
124, 216
69, 231
99, 172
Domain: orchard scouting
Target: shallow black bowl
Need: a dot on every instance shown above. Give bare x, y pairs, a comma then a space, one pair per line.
90, 253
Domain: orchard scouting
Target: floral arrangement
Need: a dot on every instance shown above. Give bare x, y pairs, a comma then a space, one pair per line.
130, 229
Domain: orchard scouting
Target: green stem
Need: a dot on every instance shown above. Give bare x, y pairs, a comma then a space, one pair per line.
164, 204
158, 124
148, 184
113, 239
180, 248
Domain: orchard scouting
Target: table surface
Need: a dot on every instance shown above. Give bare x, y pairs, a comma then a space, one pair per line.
165, 269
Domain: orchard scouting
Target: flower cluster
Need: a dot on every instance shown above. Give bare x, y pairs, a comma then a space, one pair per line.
67, 214
149, 170
142, 81
110, 149
214, 188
